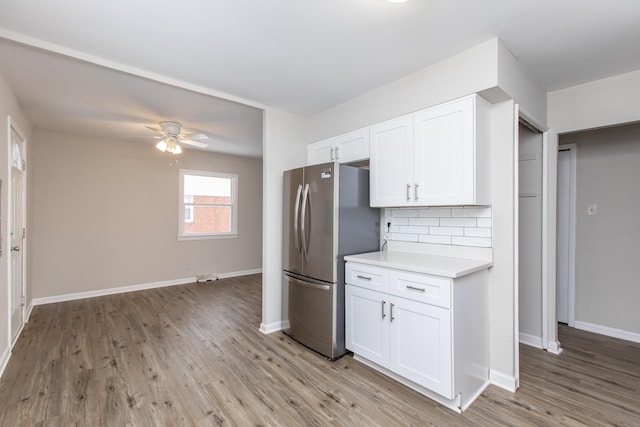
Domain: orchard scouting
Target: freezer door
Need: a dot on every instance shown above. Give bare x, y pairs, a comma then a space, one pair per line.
318, 225
292, 200
312, 314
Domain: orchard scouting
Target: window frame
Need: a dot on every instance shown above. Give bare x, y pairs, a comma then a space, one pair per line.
182, 235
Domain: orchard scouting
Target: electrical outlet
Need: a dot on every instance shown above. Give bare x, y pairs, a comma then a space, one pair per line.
592, 209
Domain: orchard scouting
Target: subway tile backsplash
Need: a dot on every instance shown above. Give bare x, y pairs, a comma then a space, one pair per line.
458, 226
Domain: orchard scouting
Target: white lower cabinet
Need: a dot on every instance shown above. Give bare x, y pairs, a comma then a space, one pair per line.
439, 347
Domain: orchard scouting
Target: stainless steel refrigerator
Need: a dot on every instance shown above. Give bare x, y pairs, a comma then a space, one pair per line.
326, 216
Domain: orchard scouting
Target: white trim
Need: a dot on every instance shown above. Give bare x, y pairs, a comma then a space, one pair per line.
531, 340
4, 359
239, 273
545, 242
133, 288
13, 127
516, 242
608, 331
554, 347
504, 381
207, 237
111, 291
271, 327
573, 157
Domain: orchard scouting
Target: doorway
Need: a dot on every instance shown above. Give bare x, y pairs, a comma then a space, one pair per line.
566, 243
530, 294
16, 196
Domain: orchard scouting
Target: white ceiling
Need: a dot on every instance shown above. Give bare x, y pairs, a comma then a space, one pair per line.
299, 56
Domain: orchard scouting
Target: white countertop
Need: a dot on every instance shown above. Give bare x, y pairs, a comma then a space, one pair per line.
452, 267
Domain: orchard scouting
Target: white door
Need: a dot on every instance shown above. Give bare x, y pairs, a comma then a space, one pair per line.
420, 344
367, 324
444, 154
352, 146
530, 235
391, 163
16, 192
320, 152
565, 229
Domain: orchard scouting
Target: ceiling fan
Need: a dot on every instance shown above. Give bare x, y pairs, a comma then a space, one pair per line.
171, 137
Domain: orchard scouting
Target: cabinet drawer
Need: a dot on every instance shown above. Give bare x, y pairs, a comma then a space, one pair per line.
421, 287
367, 276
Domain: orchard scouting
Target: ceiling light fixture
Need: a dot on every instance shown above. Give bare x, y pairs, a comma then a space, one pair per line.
170, 144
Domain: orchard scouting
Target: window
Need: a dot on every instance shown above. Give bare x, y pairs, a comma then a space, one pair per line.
208, 205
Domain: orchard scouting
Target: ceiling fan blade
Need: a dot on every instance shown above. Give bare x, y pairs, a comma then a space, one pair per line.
194, 143
195, 136
153, 129
143, 136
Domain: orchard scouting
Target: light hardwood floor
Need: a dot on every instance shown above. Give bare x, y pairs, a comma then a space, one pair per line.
193, 355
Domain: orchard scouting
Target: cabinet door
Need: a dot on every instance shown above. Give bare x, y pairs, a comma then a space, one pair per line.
444, 156
420, 346
320, 152
367, 324
352, 146
391, 152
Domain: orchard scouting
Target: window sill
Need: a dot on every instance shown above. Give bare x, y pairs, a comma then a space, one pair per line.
208, 237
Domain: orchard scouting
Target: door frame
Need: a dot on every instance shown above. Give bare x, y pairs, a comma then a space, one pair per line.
571, 280
12, 126
549, 162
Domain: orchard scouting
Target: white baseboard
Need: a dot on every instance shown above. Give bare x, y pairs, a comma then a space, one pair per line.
270, 327
507, 382
4, 359
531, 340
239, 273
133, 288
610, 332
110, 291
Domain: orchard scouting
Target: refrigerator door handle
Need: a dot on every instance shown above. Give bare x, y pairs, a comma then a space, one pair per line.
312, 285
303, 232
296, 214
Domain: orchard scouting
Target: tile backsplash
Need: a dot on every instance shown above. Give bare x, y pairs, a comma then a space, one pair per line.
457, 226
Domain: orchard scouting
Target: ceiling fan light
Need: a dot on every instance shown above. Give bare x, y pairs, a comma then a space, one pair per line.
177, 149
162, 145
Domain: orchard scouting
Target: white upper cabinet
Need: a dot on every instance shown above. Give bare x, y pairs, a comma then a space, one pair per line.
438, 156
345, 148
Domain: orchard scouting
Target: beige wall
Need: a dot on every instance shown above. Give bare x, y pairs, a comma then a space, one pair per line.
105, 215
607, 251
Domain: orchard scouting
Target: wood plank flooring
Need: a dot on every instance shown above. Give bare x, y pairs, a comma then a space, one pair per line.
192, 355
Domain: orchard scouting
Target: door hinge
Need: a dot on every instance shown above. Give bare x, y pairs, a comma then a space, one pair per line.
22, 301
24, 232
24, 165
